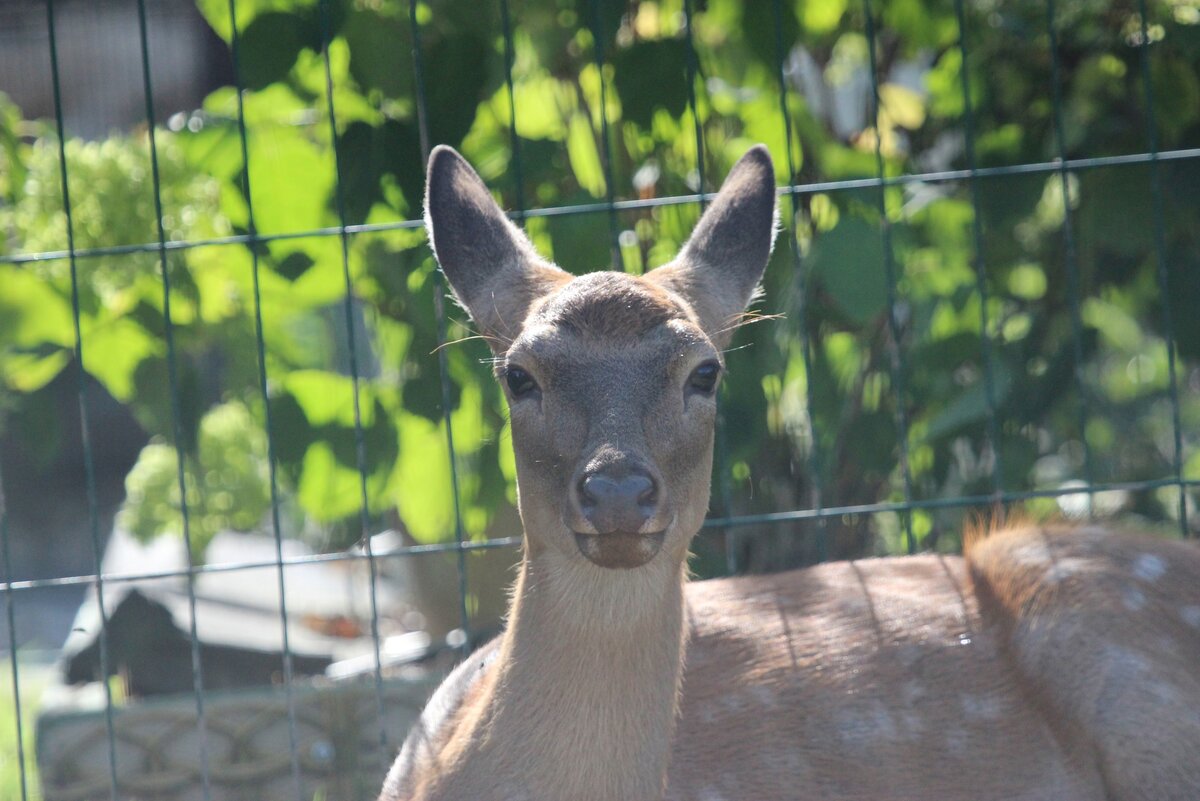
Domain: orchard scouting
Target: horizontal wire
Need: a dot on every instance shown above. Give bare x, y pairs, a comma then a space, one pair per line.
941, 176
958, 501
228, 567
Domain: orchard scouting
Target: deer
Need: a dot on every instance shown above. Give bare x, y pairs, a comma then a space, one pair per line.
1051, 662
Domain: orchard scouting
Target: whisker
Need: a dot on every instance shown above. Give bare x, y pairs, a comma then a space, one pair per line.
747, 318
485, 337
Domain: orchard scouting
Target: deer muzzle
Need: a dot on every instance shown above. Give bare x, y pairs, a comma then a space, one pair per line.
619, 504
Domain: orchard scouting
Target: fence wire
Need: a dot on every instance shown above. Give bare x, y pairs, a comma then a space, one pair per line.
728, 522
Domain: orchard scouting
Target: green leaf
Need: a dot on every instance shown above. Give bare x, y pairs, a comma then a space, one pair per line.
328, 489
379, 52
31, 312
822, 16
328, 398
585, 159
114, 350
292, 179
423, 493
270, 46
29, 372
848, 260
456, 81
367, 153
971, 406
226, 481
902, 105
541, 101
649, 76
1115, 324
216, 12
1027, 281
580, 242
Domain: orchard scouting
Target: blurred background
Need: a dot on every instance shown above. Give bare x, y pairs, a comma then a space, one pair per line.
230, 376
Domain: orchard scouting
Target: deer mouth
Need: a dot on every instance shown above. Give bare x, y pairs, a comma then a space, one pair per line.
620, 550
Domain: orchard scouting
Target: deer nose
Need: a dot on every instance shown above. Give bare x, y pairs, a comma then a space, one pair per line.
615, 501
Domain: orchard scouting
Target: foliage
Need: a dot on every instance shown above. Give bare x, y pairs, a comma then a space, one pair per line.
1056, 253
225, 479
33, 678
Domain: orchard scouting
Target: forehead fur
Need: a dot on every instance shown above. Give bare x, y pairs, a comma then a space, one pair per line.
610, 305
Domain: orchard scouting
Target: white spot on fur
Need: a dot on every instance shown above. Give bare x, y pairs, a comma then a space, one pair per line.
1035, 555
732, 705
1149, 567
1191, 615
1128, 670
956, 741
980, 707
1133, 599
909, 654
912, 723
1030, 555
790, 762
865, 728
1063, 569
884, 723
763, 696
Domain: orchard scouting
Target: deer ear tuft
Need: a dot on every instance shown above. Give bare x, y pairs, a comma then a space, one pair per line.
491, 265
720, 266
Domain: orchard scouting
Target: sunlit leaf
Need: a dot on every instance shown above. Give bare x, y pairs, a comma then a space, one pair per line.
328, 489
422, 490
822, 16
29, 372
328, 398
114, 350
585, 158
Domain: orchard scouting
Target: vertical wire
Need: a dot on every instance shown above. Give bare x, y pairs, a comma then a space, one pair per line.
985, 339
693, 71
439, 311
1160, 255
272, 475
1072, 259
814, 455
10, 612
897, 352
89, 464
360, 448
732, 540
176, 409
509, 59
596, 21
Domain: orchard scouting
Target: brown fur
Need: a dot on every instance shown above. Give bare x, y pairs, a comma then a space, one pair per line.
610, 307
1050, 664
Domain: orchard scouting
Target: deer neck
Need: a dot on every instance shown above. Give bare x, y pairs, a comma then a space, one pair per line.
584, 696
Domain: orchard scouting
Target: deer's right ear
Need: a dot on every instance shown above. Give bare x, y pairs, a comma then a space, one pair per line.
720, 266
490, 263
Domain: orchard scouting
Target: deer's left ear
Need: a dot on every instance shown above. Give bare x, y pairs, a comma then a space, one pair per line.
720, 266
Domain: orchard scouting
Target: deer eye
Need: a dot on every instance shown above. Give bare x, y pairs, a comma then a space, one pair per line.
704, 378
520, 382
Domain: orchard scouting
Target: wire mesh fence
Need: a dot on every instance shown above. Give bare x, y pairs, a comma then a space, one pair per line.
980, 308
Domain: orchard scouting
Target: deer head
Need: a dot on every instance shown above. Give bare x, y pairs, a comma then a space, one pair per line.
611, 378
